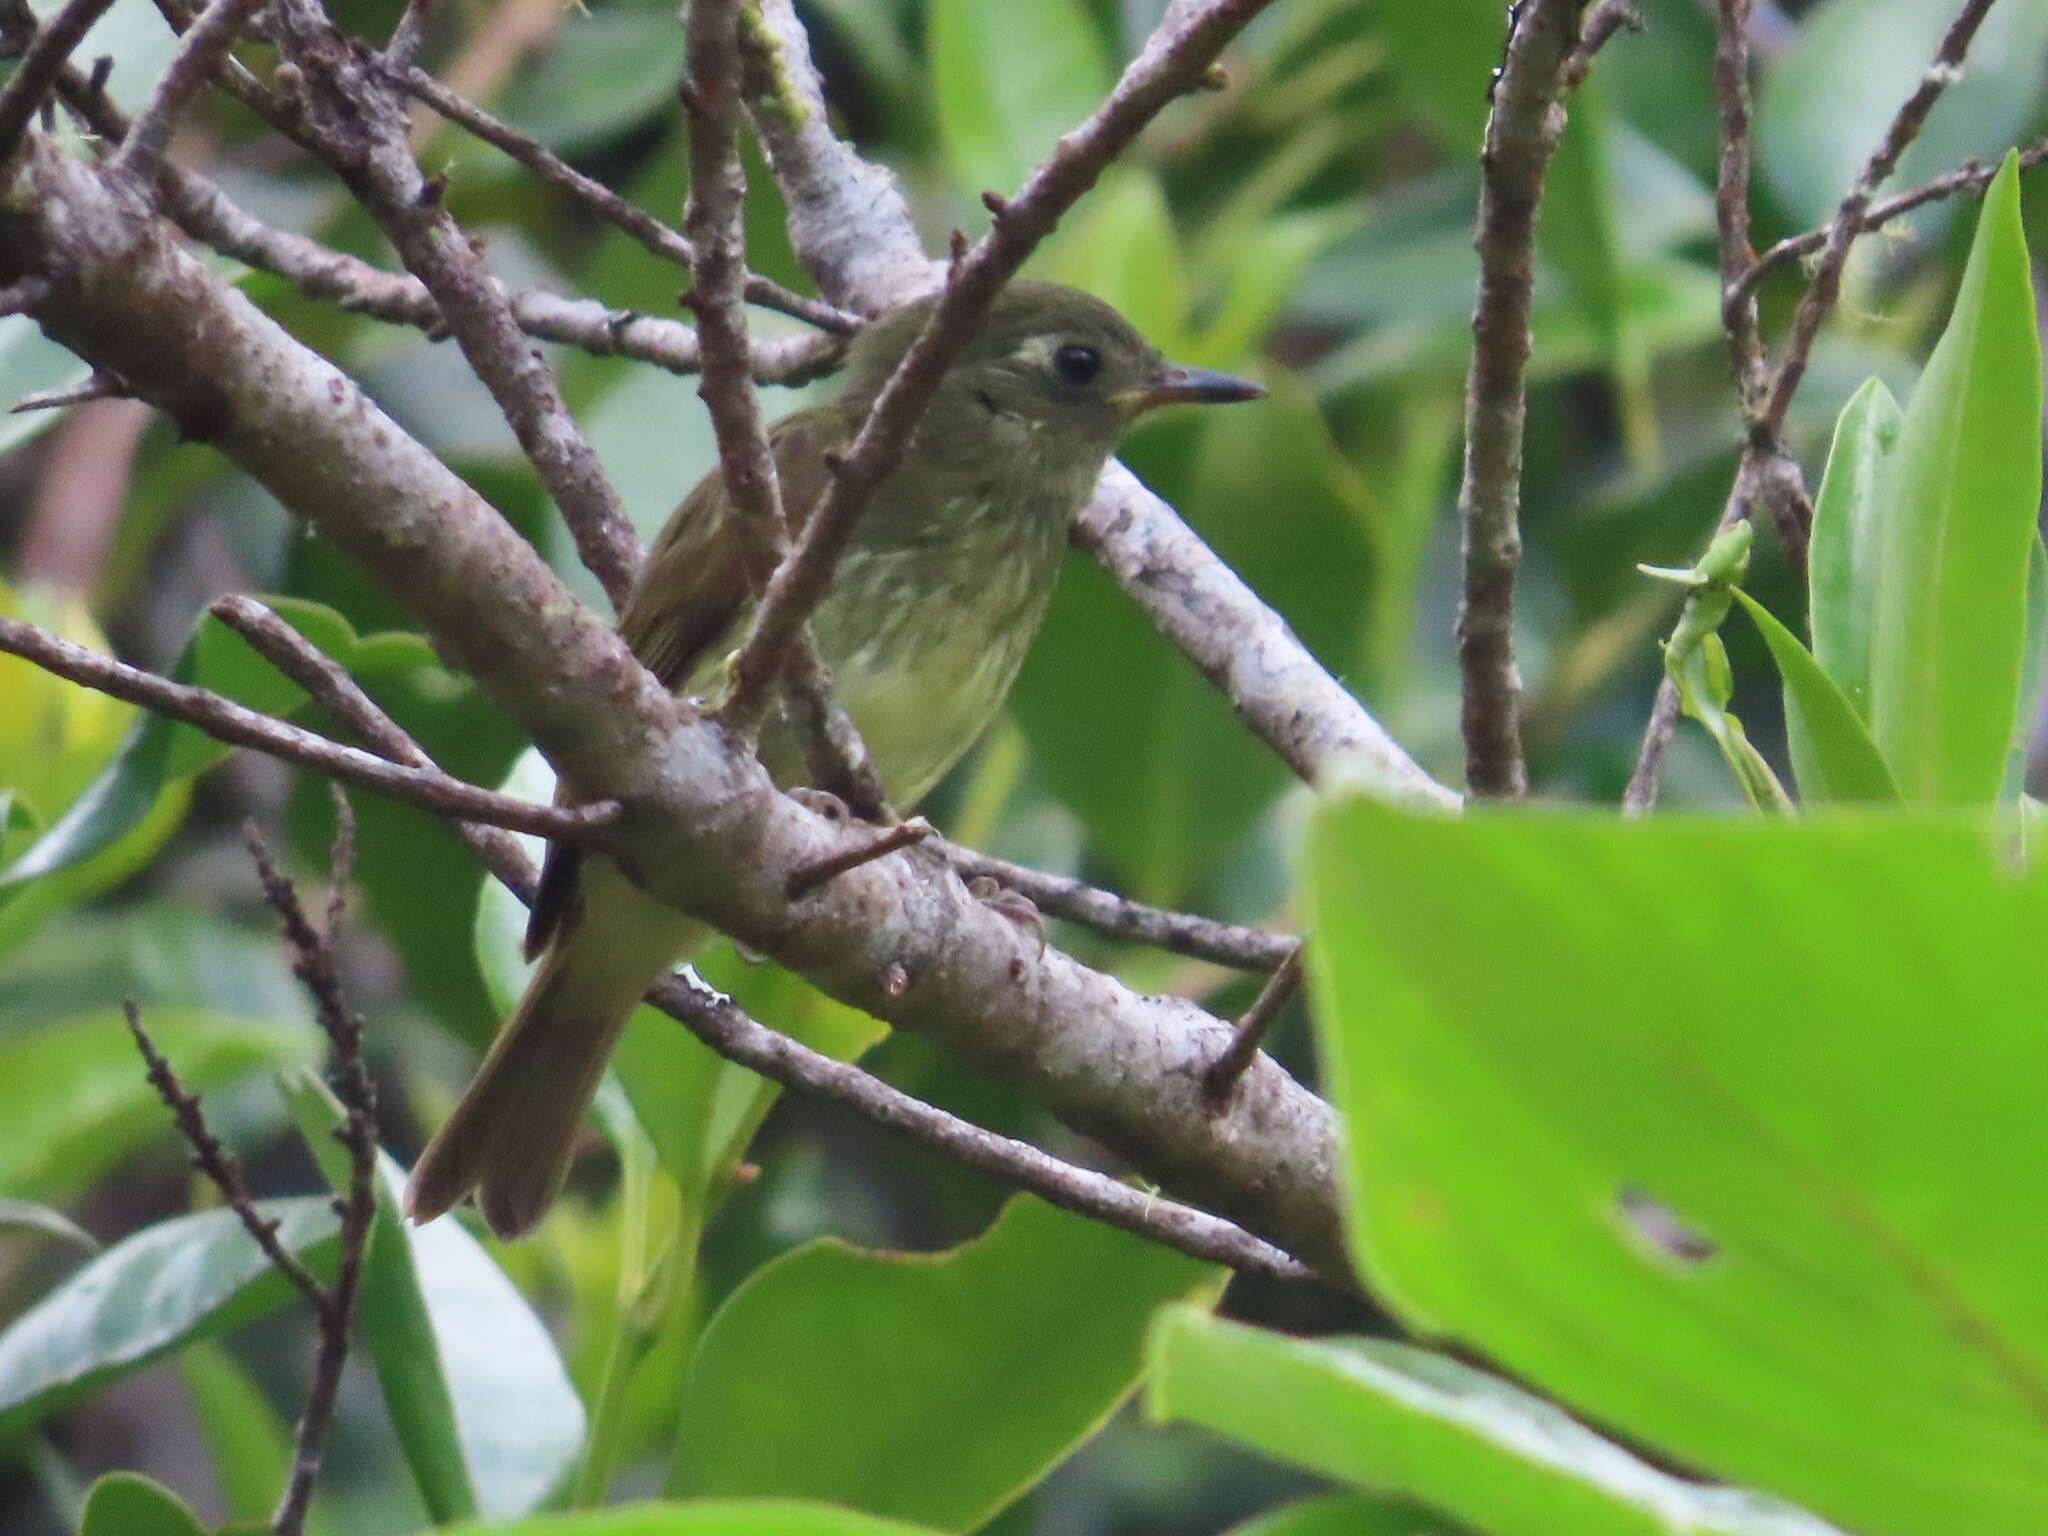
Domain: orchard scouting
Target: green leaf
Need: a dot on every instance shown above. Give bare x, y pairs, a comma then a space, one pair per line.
160, 752
1007, 81
1346, 1514
183, 1279
1965, 486
1403, 1420
1848, 540
1831, 746
27, 1216
75, 1102
129, 1504
1758, 1100
738, 1517
609, 70
833, 1370
477, 1394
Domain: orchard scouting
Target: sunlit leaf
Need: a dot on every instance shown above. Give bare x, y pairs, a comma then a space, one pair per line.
1963, 490
1402, 1420
1759, 1101
144, 1297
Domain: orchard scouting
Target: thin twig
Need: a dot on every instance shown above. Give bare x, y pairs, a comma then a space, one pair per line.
1826, 284
96, 387
728, 1030
350, 116
1118, 917
1225, 1072
41, 63
200, 51
1173, 62
643, 226
878, 845
1521, 131
713, 218
221, 1167
313, 963
225, 720
1596, 29
1766, 475
1971, 177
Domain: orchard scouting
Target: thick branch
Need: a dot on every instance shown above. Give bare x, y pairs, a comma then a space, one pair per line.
1521, 131
701, 825
1242, 646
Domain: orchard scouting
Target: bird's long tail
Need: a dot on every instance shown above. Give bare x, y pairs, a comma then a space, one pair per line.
511, 1136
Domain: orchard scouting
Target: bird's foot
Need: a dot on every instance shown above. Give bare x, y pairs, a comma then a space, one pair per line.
1018, 908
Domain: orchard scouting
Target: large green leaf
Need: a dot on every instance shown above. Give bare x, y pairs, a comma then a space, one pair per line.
1831, 746
733, 1517
932, 1387
129, 1504
147, 1295
160, 752
477, 1394
74, 1100
1007, 81
1848, 541
1713, 1128
1964, 490
1392, 1417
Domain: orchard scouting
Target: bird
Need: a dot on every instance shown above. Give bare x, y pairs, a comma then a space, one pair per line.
935, 603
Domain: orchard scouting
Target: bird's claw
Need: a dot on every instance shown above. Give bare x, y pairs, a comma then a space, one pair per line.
821, 802
1019, 909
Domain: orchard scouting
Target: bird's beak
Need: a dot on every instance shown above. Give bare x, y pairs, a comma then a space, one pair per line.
1176, 385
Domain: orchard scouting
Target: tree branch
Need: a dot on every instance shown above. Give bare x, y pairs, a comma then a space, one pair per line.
728, 1030
701, 825
1521, 131
200, 51
352, 118
225, 720
40, 65
1971, 177
652, 234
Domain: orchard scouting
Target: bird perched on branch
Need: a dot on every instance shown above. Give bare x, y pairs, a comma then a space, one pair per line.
933, 606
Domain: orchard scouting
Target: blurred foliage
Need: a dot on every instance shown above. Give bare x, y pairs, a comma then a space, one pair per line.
1742, 1002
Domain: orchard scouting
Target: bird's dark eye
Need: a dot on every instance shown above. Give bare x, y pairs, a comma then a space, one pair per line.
1077, 364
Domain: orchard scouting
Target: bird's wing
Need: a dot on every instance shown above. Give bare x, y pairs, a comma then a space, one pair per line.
689, 598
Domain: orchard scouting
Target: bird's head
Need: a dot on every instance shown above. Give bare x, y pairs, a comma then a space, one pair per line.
1050, 366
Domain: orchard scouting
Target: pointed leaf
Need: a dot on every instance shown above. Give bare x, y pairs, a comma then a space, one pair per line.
1965, 486
1837, 760
833, 1369
1403, 1420
179, 1280
1007, 81
1842, 566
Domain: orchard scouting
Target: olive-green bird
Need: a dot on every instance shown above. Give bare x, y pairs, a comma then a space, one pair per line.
935, 603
